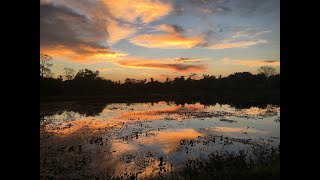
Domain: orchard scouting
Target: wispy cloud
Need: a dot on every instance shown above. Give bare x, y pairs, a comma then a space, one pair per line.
158, 64
251, 33
144, 11
118, 31
170, 28
171, 37
250, 63
82, 53
165, 41
241, 44
104, 69
182, 59
125, 15
174, 38
223, 7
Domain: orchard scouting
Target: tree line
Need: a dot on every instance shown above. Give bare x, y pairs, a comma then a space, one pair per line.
86, 82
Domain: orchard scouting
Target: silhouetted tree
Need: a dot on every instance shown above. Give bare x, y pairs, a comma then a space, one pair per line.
192, 75
205, 76
44, 65
274, 82
267, 70
129, 81
87, 82
87, 74
49, 74
69, 73
168, 81
60, 78
179, 82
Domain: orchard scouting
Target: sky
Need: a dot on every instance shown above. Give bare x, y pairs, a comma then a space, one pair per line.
160, 38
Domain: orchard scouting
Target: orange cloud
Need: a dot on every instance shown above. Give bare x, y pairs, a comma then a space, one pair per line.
117, 32
251, 63
87, 25
165, 41
104, 69
82, 53
157, 64
145, 10
241, 44
170, 28
189, 60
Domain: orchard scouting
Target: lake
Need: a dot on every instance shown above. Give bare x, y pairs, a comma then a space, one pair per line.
83, 140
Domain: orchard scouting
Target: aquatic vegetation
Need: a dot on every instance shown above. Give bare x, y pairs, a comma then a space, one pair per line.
161, 141
263, 163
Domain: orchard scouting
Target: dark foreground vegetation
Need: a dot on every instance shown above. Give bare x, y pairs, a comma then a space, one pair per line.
259, 162
263, 163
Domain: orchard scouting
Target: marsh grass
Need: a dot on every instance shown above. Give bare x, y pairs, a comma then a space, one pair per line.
264, 163
260, 162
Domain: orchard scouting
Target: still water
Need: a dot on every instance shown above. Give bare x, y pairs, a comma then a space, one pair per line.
147, 138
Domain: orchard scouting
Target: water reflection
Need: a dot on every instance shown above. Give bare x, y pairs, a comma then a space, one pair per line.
168, 141
159, 113
86, 108
232, 130
146, 138
94, 108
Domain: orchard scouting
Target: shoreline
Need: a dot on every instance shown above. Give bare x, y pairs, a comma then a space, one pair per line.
272, 98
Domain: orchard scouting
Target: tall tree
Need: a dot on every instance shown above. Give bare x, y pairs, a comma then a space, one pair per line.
267, 70
44, 65
87, 74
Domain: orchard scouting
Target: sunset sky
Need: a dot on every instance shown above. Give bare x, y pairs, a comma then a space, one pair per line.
160, 38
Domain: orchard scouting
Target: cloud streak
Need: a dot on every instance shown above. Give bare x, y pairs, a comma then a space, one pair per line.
170, 28
165, 41
189, 60
141, 11
244, 8
250, 63
240, 44
251, 33
173, 36
82, 53
118, 31
157, 64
